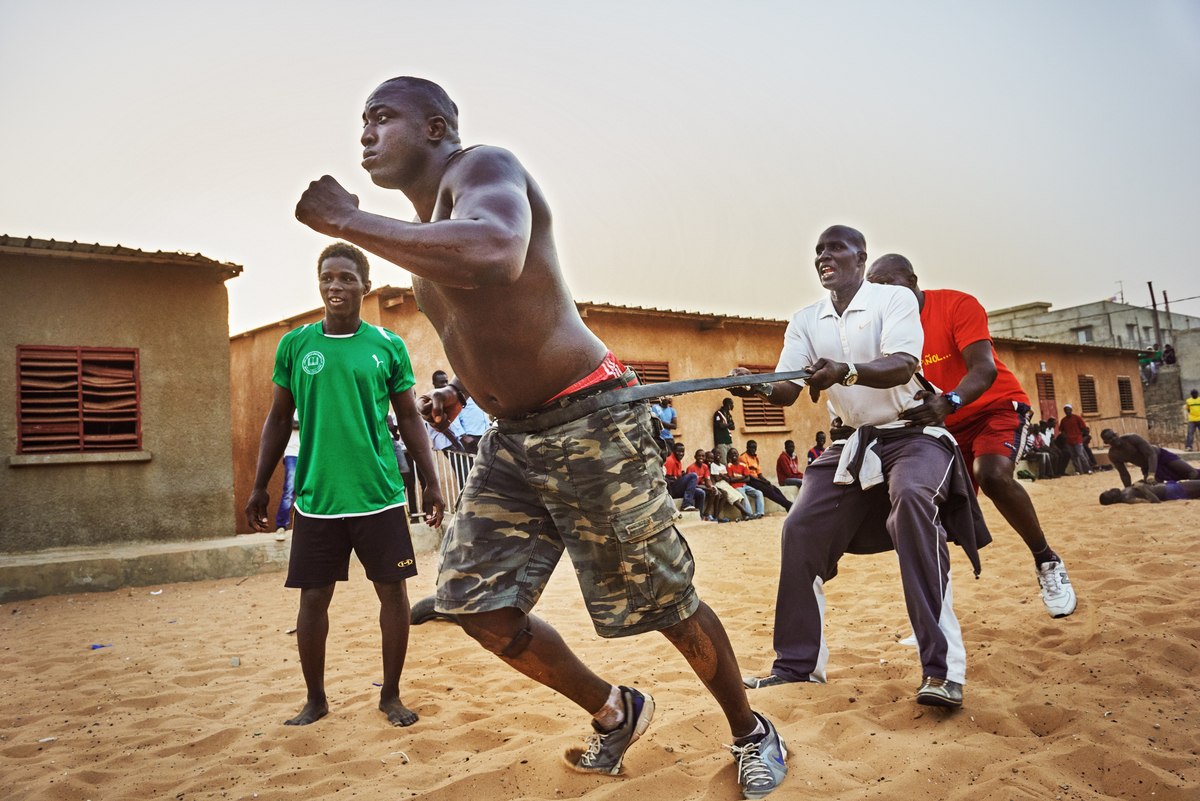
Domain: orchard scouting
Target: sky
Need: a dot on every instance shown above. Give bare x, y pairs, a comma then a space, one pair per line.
692, 152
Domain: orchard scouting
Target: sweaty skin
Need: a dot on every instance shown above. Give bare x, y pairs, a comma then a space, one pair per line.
485, 269
486, 274
1134, 450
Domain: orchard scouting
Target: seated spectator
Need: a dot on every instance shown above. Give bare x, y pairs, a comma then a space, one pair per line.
680, 484
1038, 451
757, 480
1059, 456
787, 467
1168, 354
728, 495
1157, 464
739, 475
815, 451
699, 468
1142, 492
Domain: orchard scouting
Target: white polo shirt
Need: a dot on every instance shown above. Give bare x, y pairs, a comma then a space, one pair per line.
880, 320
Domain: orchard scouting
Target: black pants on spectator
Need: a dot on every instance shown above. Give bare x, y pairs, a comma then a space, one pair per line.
769, 490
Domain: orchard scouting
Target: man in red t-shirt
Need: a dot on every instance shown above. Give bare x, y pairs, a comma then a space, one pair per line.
704, 481
983, 406
787, 466
680, 484
1073, 427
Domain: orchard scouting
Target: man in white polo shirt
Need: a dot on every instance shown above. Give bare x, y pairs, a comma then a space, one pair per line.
863, 346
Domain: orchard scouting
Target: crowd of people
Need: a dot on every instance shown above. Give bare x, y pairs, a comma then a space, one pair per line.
923, 417
723, 477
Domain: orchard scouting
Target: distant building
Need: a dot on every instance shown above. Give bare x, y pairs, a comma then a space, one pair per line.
117, 425
1105, 323
1101, 384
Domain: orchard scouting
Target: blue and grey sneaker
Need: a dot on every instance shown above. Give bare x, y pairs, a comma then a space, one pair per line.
606, 749
761, 763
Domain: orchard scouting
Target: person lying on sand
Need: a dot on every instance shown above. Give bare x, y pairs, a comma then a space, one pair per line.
1141, 492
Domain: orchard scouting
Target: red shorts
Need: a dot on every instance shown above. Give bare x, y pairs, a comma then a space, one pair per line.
1001, 428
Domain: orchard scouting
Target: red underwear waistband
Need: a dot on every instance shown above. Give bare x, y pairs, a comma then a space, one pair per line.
609, 369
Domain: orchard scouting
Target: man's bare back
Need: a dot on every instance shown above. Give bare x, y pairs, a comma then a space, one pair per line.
482, 255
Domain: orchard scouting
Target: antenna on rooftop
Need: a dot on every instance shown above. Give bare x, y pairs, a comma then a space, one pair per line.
1121, 284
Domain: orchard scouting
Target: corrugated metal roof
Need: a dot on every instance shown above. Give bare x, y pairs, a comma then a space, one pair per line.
83, 250
1075, 346
706, 319
654, 310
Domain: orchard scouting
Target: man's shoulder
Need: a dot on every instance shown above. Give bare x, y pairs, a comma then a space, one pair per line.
950, 295
881, 295
296, 335
484, 164
378, 332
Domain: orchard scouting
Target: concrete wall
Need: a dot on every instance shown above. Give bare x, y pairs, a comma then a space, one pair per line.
1108, 323
177, 316
1187, 354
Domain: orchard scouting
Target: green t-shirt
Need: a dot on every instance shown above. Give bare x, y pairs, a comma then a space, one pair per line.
342, 386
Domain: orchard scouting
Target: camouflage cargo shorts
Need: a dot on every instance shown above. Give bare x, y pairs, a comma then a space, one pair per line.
594, 486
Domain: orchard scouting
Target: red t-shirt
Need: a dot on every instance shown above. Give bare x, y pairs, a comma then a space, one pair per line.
953, 320
672, 467
701, 471
1073, 427
737, 474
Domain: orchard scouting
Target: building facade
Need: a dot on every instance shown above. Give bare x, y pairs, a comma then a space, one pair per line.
117, 425
1105, 323
664, 345
1100, 384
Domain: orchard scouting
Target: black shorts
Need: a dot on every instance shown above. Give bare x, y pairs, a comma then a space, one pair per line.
321, 548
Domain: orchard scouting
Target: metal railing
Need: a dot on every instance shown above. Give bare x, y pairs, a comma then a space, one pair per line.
452, 469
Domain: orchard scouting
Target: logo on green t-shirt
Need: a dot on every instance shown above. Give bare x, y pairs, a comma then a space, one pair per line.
312, 362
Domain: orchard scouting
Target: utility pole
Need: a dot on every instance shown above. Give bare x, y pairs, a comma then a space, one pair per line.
1170, 325
1154, 310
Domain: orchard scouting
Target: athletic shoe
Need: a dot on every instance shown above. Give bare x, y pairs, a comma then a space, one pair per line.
752, 683
606, 749
1057, 593
939, 692
762, 762
688, 508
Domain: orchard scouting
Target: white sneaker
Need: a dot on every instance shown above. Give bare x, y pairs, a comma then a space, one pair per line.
1057, 593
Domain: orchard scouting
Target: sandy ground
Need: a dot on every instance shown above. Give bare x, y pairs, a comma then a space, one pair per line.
1097, 705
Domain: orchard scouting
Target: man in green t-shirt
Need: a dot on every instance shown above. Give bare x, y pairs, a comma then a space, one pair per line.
340, 375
